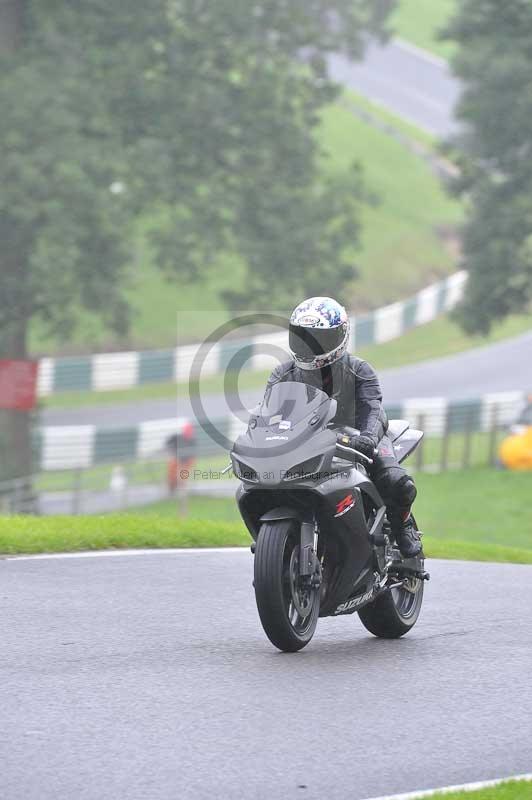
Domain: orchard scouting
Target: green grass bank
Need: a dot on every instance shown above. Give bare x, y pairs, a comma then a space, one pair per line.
403, 248
420, 21
481, 515
511, 790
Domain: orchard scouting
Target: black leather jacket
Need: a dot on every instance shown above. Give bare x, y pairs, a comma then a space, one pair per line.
353, 383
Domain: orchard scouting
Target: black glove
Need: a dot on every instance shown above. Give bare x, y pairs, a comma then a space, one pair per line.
364, 444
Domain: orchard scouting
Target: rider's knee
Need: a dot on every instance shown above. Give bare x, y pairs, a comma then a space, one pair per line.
405, 492
396, 487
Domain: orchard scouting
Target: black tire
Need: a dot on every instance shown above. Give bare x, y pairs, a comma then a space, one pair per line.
276, 554
395, 612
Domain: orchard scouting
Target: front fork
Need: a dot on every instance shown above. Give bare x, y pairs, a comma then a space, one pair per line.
309, 565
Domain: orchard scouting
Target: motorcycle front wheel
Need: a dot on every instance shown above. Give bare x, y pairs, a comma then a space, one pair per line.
288, 606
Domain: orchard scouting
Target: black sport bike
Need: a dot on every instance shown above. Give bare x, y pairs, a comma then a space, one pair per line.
322, 542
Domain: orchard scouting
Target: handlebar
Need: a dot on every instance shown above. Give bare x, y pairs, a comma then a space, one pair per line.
357, 453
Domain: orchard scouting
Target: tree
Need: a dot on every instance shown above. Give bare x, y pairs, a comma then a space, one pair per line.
204, 110
494, 62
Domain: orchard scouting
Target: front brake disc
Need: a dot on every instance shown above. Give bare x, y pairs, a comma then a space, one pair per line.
301, 596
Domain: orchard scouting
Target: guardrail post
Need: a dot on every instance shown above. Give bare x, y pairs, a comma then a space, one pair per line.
419, 451
124, 494
468, 431
17, 495
444, 461
493, 431
76, 492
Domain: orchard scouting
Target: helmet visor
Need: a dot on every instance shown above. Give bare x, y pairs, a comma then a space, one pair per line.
307, 343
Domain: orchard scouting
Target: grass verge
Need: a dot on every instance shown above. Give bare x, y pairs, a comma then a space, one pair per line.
509, 790
65, 534
403, 247
481, 515
119, 531
419, 21
476, 514
358, 103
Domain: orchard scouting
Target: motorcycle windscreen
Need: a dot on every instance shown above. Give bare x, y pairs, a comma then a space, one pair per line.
290, 402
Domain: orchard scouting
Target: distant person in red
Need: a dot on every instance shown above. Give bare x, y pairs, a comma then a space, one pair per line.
181, 448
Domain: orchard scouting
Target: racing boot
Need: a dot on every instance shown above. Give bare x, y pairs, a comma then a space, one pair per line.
407, 537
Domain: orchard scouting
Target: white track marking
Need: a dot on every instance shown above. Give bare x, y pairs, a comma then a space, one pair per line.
172, 551
414, 50
128, 552
464, 787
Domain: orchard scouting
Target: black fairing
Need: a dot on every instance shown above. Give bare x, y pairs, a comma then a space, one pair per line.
289, 429
335, 494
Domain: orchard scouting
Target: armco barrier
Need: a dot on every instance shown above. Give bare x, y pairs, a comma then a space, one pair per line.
81, 447
107, 371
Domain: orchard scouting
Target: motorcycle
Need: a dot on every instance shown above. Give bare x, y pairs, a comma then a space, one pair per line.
321, 539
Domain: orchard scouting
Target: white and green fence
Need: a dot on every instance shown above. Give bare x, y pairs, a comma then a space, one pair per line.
114, 371
82, 447
84, 469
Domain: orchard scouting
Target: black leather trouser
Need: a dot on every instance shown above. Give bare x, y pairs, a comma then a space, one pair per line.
394, 484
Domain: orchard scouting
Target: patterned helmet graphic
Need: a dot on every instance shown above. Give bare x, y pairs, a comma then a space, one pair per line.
318, 333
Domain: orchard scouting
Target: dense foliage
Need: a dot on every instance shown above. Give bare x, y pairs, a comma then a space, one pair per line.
200, 113
494, 61
204, 110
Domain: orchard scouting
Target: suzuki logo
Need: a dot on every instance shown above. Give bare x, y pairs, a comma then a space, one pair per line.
349, 605
344, 505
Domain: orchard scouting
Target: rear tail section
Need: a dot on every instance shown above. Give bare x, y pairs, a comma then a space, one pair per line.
405, 444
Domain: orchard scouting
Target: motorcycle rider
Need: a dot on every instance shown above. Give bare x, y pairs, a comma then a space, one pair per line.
318, 341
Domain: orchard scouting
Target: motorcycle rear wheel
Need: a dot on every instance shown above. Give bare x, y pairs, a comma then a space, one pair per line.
395, 612
288, 610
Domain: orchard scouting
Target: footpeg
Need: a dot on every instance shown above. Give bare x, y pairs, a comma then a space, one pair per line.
404, 570
253, 547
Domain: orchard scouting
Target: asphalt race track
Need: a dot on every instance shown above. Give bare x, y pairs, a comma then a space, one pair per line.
411, 83
148, 676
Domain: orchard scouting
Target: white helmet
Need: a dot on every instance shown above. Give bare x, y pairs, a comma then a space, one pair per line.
318, 332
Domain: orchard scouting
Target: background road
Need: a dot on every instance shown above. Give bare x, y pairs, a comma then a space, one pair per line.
148, 676
505, 366
412, 84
